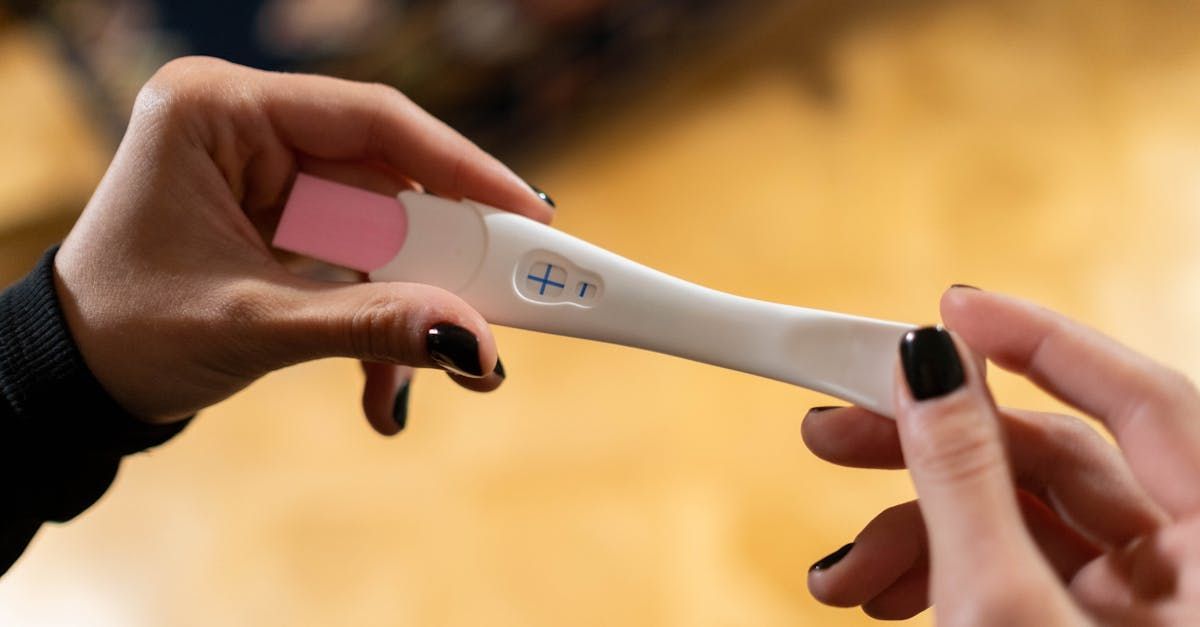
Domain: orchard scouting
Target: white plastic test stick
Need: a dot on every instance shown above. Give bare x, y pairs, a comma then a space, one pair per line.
519, 273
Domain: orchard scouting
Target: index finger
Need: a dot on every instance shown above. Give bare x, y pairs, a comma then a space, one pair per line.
257, 125
337, 119
1149, 408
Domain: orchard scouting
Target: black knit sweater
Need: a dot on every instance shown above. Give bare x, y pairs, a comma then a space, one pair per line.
61, 436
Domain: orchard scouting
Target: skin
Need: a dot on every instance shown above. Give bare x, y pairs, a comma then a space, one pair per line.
169, 290
1023, 518
1028, 518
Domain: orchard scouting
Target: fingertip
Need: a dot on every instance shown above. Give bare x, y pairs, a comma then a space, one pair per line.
852, 436
400, 406
456, 350
934, 383
547, 208
813, 426
488, 180
822, 587
489, 383
988, 321
542, 195
826, 581
932, 363
819, 430
543, 215
955, 300
536, 210
385, 397
833, 559
536, 204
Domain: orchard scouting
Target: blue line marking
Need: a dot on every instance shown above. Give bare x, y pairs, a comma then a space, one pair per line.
582, 289
545, 280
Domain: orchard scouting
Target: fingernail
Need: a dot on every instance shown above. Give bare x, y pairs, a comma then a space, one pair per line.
817, 410
965, 287
931, 363
542, 195
400, 406
830, 560
455, 349
499, 369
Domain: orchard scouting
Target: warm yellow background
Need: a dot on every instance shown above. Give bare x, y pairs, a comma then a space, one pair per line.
857, 158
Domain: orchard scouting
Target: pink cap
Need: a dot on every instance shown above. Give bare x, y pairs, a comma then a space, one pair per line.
342, 225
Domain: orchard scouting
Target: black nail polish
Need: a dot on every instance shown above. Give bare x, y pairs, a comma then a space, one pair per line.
965, 287
931, 363
499, 369
400, 406
828, 561
455, 349
542, 195
821, 408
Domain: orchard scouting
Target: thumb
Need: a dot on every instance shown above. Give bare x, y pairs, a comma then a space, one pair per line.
400, 323
953, 447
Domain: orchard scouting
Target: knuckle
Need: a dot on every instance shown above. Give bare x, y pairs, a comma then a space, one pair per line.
387, 103
1163, 391
243, 312
955, 446
1176, 387
1048, 449
902, 515
179, 79
243, 304
184, 87
182, 67
1060, 445
1065, 438
381, 329
956, 462
388, 94
1069, 429
1181, 540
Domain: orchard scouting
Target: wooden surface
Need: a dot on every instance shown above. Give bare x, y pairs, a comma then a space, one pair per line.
857, 160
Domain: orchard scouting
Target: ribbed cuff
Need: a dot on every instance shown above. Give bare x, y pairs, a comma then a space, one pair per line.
64, 429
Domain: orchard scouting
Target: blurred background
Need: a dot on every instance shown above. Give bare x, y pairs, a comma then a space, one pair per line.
856, 155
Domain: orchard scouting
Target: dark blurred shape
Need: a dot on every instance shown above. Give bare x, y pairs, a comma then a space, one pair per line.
505, 72
219, 28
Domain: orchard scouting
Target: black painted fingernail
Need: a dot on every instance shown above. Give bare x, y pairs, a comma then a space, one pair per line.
400, 406
542, 195
931, 363
965, 287
828, 561
819, 409
455, 349
499, 369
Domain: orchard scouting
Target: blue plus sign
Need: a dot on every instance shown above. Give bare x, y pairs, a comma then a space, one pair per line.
545, 280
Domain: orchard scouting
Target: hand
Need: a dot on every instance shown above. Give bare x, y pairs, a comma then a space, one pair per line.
167, 284
1024, 518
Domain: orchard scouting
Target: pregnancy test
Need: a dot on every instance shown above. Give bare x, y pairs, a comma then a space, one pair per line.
520, 273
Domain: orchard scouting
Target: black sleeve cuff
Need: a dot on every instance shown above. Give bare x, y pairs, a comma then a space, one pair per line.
61, 435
